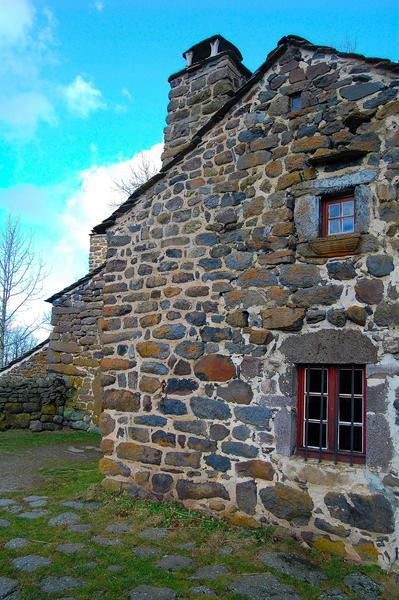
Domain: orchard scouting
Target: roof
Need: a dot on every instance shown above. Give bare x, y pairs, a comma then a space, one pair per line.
76, 284
25, 355
282, 46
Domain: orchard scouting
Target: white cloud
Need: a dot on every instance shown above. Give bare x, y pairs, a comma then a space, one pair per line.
22, 113
26, 46
99, 5
16, 20
82, 97
125, 92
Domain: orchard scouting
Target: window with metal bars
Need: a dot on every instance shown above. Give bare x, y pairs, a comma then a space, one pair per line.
331, 413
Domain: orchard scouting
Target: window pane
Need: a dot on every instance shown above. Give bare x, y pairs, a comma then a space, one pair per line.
334, 226
345, 438
333, 210
315, 380
345, 410
348, 225
296, 102
313, 435
314, 405
345, 381
347, 208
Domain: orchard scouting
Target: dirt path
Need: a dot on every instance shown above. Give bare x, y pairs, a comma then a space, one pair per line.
21, 470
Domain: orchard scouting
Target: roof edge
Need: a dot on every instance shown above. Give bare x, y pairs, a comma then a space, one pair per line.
25, 355
75, 284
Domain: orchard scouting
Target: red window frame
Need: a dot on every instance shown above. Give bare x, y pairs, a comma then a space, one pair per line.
325, 219
331, 452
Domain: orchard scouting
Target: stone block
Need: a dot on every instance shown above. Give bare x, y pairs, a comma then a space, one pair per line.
246, 496
218, 462
236, 391
183, 459
257, 416
258, 469
371, 512
285, 431
301, 276
189, 490
379, 446
215, 367
139, 453
161, 483
239, 449
284, 318
287, 503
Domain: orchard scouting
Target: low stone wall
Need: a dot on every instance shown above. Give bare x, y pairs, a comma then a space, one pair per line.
35, 404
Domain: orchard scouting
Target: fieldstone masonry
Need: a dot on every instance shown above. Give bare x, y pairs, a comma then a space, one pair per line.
218, 284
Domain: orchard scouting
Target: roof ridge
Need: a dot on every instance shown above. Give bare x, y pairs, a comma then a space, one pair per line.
76, 283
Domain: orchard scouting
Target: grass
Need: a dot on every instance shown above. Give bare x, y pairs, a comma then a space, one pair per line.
10, 441
71, 479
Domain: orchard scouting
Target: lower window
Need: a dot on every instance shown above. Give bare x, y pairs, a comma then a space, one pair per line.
331, 412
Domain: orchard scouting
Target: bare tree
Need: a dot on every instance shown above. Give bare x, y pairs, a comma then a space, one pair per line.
19, 341
143, 169
21, 278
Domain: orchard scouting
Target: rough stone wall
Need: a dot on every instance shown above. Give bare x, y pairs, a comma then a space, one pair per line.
75, 350
218, 285
37, 404
196, 94
33, 366
98, 251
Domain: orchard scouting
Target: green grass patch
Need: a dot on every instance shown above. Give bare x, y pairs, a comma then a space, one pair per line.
77, 479
14, 440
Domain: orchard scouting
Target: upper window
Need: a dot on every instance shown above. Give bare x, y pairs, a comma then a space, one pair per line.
331, 413
338, 216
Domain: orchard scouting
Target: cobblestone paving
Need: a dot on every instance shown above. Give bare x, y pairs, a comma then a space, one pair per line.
80, 550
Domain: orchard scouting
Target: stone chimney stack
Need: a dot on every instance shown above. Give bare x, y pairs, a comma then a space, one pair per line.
98, 250
213, 73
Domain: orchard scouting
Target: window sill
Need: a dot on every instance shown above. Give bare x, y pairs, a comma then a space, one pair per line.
336, 245
357, 459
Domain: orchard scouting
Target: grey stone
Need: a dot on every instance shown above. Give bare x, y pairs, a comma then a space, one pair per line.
205, 408
202, 589
154, 533
33, 514
104, 541
31, 563
262, 586
187, 546
210, 572
6, 502
145, 552
174, 562
341, 270
306, 215
38, 503
240, 449
80, 528
294, 566
379, 447
379, 265
34, 498
4, 523
241, 432
338, 183
70, 548
79, 505
360, 90
52, 585
114, 568
287, 503
371, 512
333, 595
236, 391
16, 543
9, 589
118, 528
150, 592
387, 315
14, 508
246, 496
254, 415
217, 462
67, 518
329, 346
285, 431
366, 588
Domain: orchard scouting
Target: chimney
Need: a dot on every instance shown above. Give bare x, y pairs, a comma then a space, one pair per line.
98, 250
213, 73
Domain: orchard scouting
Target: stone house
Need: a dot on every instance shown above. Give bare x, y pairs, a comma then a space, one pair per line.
239, 326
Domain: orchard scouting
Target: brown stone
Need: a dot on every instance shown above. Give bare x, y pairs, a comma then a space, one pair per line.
152, 350
215, 367
288, 180
307, 144
357, 314
139, 453
284, 318
122, 400
150, 320
149, 384
259, 469
195, 491
170, 292
107, 446
370, 291
106, 424
274, 168
115, 364
286, 502
110, 467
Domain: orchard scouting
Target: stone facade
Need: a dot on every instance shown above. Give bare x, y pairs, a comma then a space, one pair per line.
218, 285
98, 251
75, 348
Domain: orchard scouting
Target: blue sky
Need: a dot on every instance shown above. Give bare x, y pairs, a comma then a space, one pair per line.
83, 88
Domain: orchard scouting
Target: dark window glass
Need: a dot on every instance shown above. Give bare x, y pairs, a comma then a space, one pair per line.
296, 102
